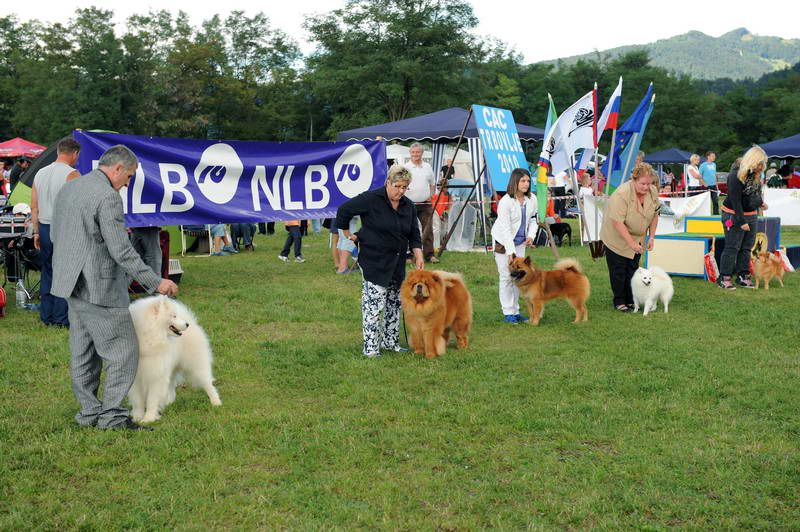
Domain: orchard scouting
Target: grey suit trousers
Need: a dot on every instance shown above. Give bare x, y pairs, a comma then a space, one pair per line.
96, 335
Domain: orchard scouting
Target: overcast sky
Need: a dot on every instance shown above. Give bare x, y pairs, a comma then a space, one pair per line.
527, 26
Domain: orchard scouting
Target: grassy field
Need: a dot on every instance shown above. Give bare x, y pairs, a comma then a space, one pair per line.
687, 419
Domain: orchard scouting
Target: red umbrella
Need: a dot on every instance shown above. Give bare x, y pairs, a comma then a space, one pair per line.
19, 146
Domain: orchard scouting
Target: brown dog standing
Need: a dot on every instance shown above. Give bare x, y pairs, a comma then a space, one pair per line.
766, 266
435, 302
538, 286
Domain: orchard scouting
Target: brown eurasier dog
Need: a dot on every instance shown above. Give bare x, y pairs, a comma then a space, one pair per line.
436, 302
767, 265
566, 281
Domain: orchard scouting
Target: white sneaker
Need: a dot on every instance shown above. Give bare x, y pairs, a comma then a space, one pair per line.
299, 259
284, 259
372, 355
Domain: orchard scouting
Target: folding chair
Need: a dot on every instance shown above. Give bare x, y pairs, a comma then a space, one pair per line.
197, 231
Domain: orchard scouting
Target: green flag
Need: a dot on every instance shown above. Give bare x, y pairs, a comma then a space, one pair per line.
541, 173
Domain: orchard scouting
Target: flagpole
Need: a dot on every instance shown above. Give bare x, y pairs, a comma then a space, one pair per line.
576, 187
610, 161
685, 182
634, 137
635, 140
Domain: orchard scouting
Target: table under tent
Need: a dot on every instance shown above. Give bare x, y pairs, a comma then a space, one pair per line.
442, 128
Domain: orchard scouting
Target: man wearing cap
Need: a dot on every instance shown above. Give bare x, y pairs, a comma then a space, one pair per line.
46, 184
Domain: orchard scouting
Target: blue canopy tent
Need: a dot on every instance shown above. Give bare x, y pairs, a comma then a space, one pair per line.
442, 125
670, 156
440, 128
782, 148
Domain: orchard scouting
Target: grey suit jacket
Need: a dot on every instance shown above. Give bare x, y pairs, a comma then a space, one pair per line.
89, 237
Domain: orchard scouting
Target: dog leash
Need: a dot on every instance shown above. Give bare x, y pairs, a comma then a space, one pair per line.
550, 239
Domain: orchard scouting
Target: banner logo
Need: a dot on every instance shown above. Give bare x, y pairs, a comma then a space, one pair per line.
218, 173
353, 171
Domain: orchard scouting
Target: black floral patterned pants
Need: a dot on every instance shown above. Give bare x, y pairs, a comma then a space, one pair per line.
380, 308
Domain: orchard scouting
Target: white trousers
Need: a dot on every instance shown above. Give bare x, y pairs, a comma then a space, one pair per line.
509, 294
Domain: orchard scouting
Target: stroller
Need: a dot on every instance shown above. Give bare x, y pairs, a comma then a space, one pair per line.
18, 256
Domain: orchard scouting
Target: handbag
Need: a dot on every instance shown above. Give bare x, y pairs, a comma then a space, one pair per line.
787, 264
710, 262
597, 249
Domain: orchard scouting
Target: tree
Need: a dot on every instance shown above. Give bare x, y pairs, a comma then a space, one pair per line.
388, 61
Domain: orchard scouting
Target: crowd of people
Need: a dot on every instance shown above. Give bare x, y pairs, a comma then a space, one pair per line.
89, 257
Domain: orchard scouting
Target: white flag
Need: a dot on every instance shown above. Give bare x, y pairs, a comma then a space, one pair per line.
574, 129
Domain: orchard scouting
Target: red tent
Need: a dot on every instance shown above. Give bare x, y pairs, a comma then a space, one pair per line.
19, 146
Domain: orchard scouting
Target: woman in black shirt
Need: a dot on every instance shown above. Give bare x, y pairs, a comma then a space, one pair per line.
388, 229
739, 217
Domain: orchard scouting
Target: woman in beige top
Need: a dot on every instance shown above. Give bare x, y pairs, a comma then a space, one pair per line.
632, 213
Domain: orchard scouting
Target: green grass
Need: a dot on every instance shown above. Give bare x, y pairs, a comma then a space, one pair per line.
688, 419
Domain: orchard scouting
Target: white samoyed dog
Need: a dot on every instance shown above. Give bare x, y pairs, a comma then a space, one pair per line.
172, 346
649, 286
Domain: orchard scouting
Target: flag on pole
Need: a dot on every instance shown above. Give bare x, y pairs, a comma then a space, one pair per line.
629, 155
608, 120
574, 129
632, 126
541, 174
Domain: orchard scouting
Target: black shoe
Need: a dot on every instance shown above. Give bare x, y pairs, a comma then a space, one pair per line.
130, 424
624, 308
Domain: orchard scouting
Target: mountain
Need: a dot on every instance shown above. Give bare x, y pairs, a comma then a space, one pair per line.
737, 55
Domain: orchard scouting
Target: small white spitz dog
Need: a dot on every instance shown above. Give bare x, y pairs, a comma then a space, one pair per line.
172, 346
649, 286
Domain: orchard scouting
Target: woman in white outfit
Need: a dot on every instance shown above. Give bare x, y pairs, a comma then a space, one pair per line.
512, 232
693, 173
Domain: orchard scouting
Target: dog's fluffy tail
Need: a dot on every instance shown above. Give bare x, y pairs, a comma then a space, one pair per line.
568, 264
449, 277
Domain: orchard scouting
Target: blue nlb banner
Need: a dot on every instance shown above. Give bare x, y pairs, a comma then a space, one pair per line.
502, 149
184, 181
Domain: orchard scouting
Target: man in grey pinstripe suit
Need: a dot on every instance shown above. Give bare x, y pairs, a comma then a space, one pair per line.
91, 257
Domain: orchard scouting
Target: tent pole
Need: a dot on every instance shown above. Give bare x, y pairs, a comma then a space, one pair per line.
446, 239
443, 185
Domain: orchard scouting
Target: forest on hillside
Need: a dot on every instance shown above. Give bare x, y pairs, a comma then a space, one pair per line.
738, 54
238, 77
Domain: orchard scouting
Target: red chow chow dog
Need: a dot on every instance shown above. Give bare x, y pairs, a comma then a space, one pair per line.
436, 302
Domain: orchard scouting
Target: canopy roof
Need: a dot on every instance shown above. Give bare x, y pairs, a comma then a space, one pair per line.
670, 156
19, 146
441, 125
788, 147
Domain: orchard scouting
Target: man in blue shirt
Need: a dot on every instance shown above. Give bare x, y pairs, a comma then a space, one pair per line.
708, 171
